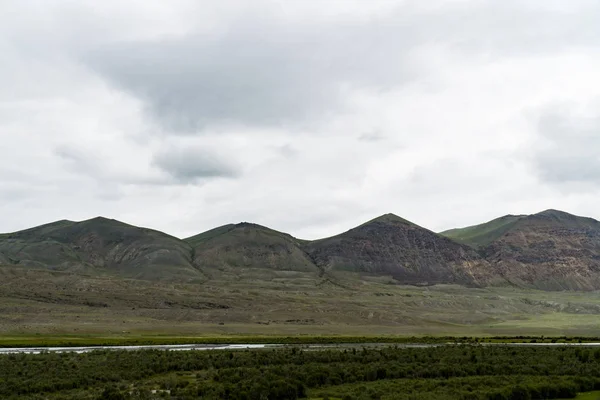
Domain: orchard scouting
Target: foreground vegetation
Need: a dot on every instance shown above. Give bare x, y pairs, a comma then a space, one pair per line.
440, 372
144, 340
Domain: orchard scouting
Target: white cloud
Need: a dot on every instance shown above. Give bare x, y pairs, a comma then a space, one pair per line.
319, 117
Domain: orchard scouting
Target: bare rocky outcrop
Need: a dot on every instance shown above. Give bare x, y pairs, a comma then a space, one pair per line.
390, 245
551, 250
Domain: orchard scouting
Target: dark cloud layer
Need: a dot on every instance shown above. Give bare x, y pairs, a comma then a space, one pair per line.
256, 74
189, 165
263, 73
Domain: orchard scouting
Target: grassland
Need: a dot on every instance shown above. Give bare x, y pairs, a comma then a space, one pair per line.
267, 303
483, 234
588, 396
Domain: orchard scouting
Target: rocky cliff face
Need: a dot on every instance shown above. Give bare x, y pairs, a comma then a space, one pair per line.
390, 245
551, 250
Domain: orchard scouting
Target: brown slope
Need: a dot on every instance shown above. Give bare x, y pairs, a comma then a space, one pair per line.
390, 245
551, 250
100, 245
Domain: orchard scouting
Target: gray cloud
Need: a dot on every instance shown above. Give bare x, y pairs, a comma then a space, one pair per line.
189, 165
286, 93
77, 160
372, 136
568, 150
287, 150
261, 72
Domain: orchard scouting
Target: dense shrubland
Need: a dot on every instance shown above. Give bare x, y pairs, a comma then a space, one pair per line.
444, 372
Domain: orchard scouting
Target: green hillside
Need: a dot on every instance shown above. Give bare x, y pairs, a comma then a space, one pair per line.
388, 276
247, 245
483, 234
100, 246
208, 235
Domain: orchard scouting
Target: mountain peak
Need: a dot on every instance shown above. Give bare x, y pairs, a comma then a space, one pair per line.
551, 212
100, 219
392, 246
103, 222
561, 217
249, 245
256, 228
389, 218
245, 224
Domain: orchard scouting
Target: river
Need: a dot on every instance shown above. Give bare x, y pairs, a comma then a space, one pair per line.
200, 347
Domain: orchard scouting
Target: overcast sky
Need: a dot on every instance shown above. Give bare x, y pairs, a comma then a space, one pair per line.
306, 116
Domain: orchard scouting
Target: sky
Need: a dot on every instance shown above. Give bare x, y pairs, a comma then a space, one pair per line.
306, 116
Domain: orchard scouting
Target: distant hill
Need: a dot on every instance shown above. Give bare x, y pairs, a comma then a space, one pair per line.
208, 235
551, 250
388, 276
483, 234
250, 246
390, 245
100, 245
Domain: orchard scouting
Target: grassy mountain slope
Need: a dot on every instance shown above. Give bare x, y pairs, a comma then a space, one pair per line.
100, 245
208, 235
45, 303
551, 250
68, 277
483, 234
390, 245
248, 245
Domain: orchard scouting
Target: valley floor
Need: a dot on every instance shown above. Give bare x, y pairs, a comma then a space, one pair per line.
257, 302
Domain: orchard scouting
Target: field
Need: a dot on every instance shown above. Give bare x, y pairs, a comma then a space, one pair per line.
441, 372
51, 304
45, 308
589, 396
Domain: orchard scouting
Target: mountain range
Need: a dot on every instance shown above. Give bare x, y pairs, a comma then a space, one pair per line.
550, 250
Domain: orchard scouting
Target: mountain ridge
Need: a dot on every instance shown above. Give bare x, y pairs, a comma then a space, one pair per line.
482, 234
249, 245
391, 245
98, 244
551, 250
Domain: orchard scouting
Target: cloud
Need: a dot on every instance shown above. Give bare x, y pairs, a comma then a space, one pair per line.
258, 74
323, 114
262, 72
189, 165
78, 160
372, 136
286, 150
567, 151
